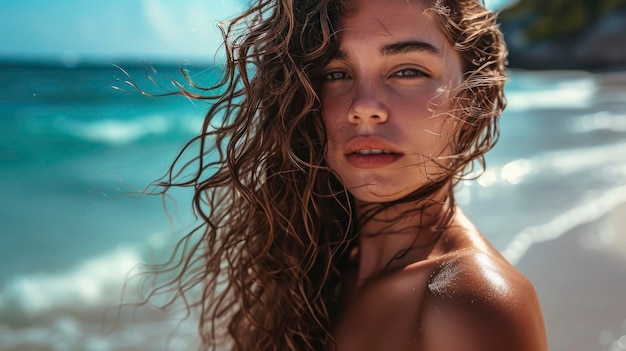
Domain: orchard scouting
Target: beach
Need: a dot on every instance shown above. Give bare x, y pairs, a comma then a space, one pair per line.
580, 278
74, 152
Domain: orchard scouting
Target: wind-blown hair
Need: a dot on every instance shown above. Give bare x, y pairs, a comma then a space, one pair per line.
276, 222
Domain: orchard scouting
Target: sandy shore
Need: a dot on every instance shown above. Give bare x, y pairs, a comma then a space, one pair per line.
581, 281
580, 278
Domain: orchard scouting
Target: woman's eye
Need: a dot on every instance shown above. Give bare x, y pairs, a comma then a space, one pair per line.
410, 73
336, 75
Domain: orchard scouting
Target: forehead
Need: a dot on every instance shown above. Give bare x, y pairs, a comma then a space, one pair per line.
393, 18
372, 30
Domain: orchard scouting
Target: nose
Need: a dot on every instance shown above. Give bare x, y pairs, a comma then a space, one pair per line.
368, 106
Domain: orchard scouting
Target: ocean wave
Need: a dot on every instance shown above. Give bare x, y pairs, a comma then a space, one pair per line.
585, 213
118, 132
557, 162
585, 158
530, 191
96, 282
65, 333
176, 125
81, 310
571, 94
603, 120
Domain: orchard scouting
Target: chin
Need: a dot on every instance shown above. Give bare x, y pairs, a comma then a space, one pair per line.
377, 194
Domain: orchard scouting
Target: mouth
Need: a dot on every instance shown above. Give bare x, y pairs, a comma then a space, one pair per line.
372, 158
370, 145
372, 152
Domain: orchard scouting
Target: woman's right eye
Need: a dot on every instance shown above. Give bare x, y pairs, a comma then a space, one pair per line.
336, 75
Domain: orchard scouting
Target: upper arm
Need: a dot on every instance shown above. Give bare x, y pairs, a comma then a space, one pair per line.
473, 311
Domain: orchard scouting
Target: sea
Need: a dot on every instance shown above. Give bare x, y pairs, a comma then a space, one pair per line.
79, 144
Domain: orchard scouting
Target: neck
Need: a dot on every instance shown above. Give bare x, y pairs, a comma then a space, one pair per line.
397, 235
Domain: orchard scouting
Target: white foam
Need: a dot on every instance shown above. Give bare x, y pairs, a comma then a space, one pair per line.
572, 94
579, 159
512, 173
97, 281
66, 333
71, 311
119, 132
603, 120
567, 161
563, 223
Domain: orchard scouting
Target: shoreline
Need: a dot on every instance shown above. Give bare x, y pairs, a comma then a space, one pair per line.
565, 223
580, 278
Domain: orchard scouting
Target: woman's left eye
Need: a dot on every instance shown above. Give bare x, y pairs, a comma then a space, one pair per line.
335, 75
410, 73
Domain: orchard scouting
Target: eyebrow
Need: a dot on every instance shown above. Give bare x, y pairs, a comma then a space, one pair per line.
402, 47
409, 46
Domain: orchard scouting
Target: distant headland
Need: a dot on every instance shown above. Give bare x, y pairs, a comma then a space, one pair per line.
566, 34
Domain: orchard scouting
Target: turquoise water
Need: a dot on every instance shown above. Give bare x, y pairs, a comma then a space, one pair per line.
73, 149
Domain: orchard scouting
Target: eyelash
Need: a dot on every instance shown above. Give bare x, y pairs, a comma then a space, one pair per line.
413, 73
406, 73
331, 76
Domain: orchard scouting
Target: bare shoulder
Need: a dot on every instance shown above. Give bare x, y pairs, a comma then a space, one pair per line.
476, 300
464, 297
467, 301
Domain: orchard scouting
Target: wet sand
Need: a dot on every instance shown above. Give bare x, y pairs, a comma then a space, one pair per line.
581, 281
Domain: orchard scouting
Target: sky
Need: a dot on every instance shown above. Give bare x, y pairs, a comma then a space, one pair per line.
112, 29
87, 30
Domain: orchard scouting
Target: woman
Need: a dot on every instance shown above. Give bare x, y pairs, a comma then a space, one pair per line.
325, 183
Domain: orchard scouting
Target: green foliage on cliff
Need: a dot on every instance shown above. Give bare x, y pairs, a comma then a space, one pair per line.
551, 19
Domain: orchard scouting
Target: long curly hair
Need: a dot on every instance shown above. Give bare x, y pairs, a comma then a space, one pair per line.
276, 224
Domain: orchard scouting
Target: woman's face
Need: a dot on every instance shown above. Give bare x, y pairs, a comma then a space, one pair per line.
384, 99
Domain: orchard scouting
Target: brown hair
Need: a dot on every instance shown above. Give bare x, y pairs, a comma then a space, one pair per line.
276, 223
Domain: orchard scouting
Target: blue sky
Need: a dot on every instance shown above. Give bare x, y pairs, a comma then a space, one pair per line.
111, 29
75, 30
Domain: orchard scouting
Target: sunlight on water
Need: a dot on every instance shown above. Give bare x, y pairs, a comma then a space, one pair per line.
119, 132
96, 280
515, 171
553, 169
574, 160
487, 179
511, 173
573, 94
612, 340
600, 121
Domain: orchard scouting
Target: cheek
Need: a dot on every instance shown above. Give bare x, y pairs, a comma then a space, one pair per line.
331, 129
335, 102
332, 118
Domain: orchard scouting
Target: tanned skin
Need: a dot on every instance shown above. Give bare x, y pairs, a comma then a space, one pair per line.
384, 108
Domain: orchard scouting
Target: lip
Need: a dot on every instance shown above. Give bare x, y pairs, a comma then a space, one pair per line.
369, 143
367, 160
